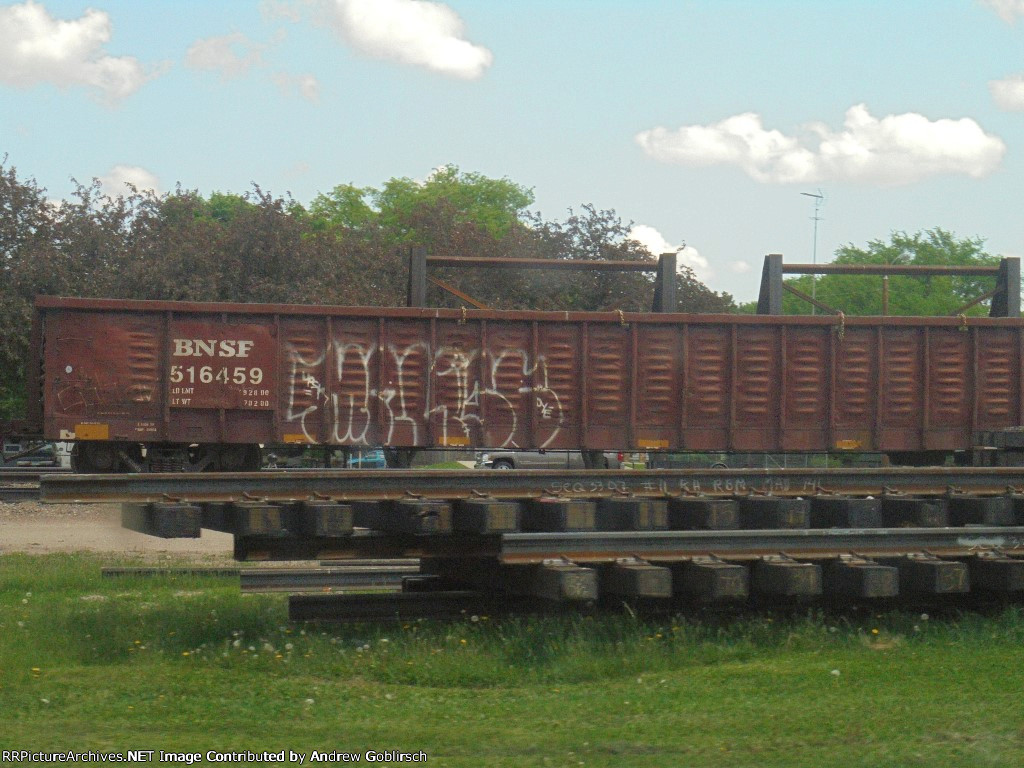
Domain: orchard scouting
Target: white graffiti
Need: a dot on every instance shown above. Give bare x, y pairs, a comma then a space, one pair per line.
368, 394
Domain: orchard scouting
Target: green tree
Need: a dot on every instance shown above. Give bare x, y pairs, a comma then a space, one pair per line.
401, 207
936, 295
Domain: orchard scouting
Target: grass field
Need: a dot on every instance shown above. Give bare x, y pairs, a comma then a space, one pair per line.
189, 664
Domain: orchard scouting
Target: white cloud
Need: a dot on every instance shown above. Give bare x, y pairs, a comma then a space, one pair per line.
686, 255
38, 48
115, 180
231, 55
651, 239
416, 32
1008, 10
305, 86
740, 267
1008, 93
281, 9
896, 149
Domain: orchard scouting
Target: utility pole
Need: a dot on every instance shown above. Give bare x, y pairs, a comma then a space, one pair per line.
819, 198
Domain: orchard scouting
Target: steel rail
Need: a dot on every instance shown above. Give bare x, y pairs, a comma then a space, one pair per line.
602, 547
358, 485
321, 579
18, 474
805, 543
15, 494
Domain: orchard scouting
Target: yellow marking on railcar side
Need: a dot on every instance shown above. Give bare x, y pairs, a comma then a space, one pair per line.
92, 431
651, 443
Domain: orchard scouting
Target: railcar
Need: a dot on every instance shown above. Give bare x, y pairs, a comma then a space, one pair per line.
149, 386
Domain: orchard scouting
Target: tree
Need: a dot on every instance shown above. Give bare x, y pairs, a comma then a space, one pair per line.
399, 207
937, 295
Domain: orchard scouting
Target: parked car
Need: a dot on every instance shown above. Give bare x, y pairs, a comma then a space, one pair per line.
371, 459
18, 455
542, 460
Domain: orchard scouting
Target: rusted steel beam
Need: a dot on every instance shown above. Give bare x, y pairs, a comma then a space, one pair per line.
964, 307
566, 264
810, 300
456, 292
378, 485
887, 269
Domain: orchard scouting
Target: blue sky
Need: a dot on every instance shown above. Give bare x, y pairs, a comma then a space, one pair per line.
702, 122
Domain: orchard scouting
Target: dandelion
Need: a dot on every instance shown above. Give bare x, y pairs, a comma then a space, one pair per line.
924, 617
236, 643
186, 653
874, 631
35, 670
835, 673
310, 702
45, 701
288, 646
463, 641
474, 618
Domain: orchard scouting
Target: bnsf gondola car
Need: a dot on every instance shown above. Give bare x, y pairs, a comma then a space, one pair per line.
142, 385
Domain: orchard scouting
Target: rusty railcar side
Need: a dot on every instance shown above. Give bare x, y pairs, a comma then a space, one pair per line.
187, 373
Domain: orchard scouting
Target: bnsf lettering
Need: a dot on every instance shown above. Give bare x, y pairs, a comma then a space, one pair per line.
212, 348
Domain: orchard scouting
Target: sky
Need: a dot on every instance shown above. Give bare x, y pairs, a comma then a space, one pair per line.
703, 123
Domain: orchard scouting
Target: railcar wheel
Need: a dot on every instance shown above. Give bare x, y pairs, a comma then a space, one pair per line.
239, 458
92, 457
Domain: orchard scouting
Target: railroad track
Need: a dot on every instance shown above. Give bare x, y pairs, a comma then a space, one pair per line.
577, 538
376, 485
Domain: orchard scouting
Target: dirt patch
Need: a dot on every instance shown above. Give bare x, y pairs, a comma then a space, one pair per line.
40, 528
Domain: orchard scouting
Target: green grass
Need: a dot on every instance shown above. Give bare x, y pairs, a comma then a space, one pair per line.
189, 664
